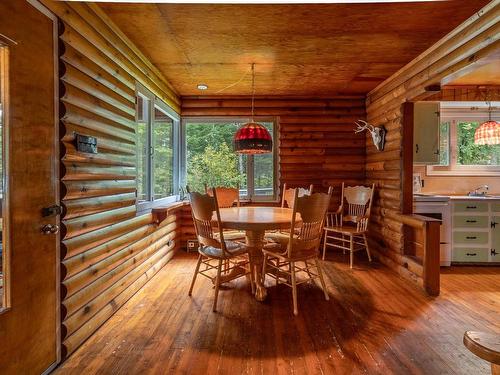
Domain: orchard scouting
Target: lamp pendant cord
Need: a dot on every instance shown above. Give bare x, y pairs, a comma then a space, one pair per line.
253, 88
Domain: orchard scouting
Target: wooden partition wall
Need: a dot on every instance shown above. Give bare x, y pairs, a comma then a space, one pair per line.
459, 52
108, 252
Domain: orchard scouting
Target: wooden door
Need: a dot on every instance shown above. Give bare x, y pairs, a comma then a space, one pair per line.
29, 323
426, 133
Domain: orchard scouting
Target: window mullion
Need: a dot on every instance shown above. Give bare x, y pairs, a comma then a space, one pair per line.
151, 151
250, 177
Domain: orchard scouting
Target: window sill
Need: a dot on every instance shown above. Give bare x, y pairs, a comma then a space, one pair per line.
160, 213
432, 170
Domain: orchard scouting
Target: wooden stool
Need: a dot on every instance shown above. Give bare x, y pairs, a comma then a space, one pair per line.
485, 346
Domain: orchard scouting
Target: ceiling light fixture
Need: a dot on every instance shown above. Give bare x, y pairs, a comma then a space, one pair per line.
253, 138
488, 133
202, 86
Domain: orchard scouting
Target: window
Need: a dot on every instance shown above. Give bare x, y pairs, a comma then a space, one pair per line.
210, 158
458, 153
157, 161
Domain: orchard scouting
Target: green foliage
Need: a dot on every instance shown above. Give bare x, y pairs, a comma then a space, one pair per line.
163, 161
215, 166
212, 161
470, 153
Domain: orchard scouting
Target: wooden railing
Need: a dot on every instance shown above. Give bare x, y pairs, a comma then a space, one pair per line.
424, 263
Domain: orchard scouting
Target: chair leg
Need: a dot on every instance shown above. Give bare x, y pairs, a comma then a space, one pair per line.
321, 279
195, 274
294, 289
217, 284
351, 249
307, 270
367, 249
264, 269
324, 246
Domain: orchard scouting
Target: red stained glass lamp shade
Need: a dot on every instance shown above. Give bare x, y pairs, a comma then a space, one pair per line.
487, 133
253, 138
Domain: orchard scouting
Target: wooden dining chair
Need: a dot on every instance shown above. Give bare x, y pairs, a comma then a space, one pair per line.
226, 198
287, 194
214, 251
346, 228
283, 259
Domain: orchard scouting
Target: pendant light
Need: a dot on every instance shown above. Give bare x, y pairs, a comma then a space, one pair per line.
253, 138
488, 133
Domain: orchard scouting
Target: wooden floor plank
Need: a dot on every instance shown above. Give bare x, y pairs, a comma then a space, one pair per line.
374, 323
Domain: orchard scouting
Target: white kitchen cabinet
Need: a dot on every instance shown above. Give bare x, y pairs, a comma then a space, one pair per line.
426, 124
476, 231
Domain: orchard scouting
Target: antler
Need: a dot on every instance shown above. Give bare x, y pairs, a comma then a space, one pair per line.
363, 125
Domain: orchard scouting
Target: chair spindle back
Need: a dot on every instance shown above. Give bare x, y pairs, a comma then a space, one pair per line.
288, 195
203, 207
226, 196
356, 205
312, 209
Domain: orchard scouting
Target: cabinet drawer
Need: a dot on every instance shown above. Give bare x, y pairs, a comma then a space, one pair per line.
472, 206
470, 221
470, 255
470, 237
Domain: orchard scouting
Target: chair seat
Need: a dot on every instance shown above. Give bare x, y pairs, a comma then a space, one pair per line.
233, 248
281, 238
344, 230
232, 235
275, 249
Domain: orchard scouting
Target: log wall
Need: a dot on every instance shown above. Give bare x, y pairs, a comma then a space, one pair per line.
107, 251
316, 140
459, 52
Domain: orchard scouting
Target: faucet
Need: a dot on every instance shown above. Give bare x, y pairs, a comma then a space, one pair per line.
480, 191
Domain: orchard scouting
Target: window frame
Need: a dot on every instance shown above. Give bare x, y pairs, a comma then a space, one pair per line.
154, 101
5, 300
459, 112
250, 158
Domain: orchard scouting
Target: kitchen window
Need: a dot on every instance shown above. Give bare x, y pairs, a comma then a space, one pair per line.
209, 158
157, 135
458, 154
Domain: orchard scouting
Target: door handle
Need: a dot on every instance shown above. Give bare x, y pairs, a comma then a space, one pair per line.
416, 148
50, 229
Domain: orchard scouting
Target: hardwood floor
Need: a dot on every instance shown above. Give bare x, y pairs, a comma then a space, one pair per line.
374, 323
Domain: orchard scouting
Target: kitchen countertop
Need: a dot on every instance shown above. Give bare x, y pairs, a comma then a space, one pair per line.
444, 198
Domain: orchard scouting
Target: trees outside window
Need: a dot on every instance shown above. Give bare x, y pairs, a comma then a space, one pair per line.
459, 155
157, 143
211, 161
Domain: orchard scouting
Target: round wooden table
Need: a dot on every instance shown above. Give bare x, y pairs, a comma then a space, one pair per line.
255, 221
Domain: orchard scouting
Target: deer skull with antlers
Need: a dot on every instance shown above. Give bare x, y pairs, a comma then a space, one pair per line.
377, 133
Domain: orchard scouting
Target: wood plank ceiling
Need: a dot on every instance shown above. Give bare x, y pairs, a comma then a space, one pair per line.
306, 50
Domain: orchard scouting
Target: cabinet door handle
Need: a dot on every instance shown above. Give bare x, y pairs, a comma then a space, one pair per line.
471, 207
471, 254
416, 148
493, 224
494, 252
471, 221
471, 237
436, 152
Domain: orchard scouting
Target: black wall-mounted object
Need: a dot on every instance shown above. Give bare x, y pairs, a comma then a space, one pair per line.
86, 143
